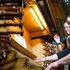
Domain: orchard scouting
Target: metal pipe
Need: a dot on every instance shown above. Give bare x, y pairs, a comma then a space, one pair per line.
11, 24
10, 15
12, 32
10, 1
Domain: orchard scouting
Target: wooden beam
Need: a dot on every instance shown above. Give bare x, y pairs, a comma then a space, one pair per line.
21, 49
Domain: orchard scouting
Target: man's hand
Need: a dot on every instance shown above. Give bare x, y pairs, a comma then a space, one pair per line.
57, 38
52, 65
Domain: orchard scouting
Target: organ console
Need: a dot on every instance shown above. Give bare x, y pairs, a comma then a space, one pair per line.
49, 50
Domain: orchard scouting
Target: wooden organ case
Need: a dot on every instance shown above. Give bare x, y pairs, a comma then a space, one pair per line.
11, 13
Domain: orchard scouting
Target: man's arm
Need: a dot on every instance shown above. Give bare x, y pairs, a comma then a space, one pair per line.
63, 53
64, 60
50, 58
57, 56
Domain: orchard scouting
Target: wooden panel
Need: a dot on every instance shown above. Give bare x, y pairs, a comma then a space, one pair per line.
37, 47
30, 22
56, 10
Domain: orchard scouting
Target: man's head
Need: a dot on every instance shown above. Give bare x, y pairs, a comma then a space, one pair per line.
68, 19
67, 26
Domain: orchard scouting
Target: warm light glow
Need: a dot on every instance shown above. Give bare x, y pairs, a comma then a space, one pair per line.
36, 18
38, 13
21, 40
